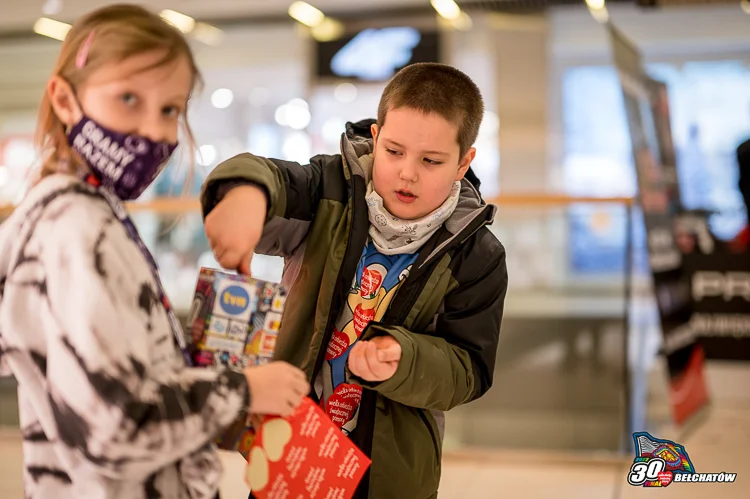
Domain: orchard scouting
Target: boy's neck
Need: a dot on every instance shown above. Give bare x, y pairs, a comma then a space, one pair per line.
393, 235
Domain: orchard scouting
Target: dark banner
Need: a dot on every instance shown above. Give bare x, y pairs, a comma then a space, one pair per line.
647, 112
720, 294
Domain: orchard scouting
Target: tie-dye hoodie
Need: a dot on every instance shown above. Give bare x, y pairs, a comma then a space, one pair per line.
107, 407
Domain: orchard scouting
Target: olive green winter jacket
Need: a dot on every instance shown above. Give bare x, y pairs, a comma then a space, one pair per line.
446, 315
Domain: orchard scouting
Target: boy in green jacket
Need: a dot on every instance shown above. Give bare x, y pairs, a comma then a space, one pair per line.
396, 285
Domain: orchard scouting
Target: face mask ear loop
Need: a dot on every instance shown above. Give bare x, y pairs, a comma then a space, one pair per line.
73, 167
74, 96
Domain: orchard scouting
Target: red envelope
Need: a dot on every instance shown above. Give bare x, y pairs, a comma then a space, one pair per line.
304, 456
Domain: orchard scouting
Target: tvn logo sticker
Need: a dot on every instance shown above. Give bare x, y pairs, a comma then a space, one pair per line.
233, 301
660, 462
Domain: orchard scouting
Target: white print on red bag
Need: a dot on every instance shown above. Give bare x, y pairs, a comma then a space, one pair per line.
303, 456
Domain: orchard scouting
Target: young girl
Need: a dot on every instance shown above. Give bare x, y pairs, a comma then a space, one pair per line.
107, 405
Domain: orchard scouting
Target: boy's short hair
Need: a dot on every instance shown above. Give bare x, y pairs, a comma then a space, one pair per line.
436, 88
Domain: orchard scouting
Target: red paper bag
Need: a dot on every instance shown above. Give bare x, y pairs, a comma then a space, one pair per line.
304, 456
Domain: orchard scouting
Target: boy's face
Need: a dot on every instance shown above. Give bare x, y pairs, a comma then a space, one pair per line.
417, 160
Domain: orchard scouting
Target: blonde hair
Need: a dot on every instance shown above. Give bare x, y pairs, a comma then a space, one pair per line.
119, 32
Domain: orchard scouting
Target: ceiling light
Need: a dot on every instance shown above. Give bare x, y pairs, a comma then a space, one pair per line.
222, 98
298, 117
51, 28
595, 4
601, 15
280, 115
18, 153
463, 22
447, 9
345, 92
306, 14
328, 30
297, 147
210, 35
745, 6
299, 103
184, 23
294, 114
206, 155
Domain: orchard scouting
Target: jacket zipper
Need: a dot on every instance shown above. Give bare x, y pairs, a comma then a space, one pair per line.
335, 302
465, 234
335, 307
426, 267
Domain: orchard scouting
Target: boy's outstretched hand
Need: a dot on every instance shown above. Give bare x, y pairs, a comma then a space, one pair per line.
235, 226
375, 360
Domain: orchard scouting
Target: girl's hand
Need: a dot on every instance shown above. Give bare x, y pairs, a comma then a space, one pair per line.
276, 388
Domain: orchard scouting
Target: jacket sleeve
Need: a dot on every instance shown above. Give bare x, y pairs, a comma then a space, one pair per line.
120, 395
293, 191
455, 365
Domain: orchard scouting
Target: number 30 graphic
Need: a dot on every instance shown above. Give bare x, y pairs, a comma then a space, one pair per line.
642, 472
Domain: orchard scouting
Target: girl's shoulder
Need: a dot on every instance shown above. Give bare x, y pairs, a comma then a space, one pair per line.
58, 209
63, 199
64, 220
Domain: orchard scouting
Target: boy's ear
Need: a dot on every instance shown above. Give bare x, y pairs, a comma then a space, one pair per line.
374, 131
63, 101
465, 163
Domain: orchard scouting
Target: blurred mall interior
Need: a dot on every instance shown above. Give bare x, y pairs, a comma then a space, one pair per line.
581, 363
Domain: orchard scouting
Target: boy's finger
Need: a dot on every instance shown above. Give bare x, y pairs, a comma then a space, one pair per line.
219, 252
244, 267
379, 370
358, 363
227, 258
353, 360
390, 354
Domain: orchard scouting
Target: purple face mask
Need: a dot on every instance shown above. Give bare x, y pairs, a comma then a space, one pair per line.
125, 164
